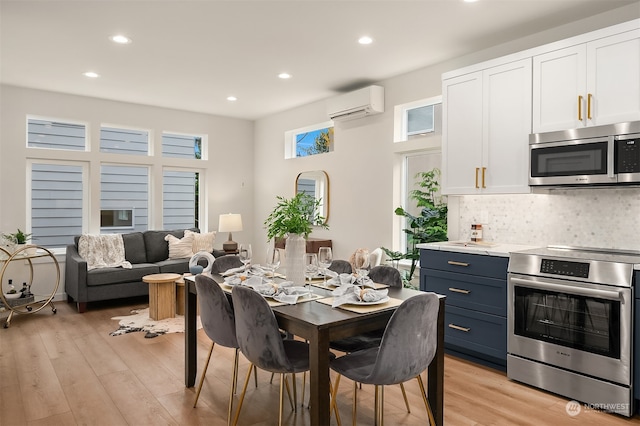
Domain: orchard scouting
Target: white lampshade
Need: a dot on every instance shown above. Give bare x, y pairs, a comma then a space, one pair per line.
231, 222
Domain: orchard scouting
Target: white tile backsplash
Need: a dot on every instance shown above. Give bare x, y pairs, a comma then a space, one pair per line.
593, 217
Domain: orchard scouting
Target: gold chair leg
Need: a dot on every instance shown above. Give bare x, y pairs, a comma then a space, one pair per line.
286, 383
304, 384
204, 373
244, 390
236, 365
432, 420
355, 401
404, 395
282, 379
271, 379
376, 407
334, 405
295, 392
255, 375
381, 406
232, 391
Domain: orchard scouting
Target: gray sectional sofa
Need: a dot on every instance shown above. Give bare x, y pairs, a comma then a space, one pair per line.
148, 253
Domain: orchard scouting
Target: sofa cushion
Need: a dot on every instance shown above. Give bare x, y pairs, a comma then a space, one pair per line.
202, 242
175, 266
134, 250
155, 245
108, 276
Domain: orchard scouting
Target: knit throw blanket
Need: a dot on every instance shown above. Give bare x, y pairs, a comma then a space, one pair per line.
103, 251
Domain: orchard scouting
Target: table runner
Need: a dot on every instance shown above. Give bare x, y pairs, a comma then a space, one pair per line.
364, 309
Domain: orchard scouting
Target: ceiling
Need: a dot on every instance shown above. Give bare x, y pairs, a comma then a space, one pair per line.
191, 55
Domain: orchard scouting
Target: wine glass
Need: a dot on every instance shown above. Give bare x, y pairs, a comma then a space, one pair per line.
273, 260
325, 257
244, 253
310, 267
361, 263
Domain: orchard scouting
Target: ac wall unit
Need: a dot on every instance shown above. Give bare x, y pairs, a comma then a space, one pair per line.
356, 104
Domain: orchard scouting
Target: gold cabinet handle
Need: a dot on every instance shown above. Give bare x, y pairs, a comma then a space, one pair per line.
484, 169
457, 327
459, 290
579, 107
477, 169
453, 262
589, 97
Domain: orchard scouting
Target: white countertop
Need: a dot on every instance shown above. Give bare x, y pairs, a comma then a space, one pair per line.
485, 248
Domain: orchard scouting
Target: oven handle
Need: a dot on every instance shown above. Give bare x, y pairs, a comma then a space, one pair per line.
580, 291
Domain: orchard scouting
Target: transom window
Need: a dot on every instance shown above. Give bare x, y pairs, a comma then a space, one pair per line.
311, 140
418, 118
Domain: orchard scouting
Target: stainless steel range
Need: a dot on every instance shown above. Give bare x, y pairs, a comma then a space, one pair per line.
570, 324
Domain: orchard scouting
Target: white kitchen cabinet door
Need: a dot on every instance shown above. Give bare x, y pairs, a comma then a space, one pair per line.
613, 79
487, 122
506, 128
559, 86
588, 84
462, 134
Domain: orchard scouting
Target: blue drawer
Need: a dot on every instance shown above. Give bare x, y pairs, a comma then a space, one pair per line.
472, 264
487, 295
477, 332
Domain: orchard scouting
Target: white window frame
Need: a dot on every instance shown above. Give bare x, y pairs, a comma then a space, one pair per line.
400, 116
87, 141
290, 145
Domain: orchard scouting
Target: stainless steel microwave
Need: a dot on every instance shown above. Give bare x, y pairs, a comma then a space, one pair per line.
599, 155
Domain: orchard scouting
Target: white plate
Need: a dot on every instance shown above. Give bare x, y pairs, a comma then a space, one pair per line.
377, 302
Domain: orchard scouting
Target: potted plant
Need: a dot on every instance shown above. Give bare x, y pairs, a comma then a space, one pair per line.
294, 219
430, 226
17, 239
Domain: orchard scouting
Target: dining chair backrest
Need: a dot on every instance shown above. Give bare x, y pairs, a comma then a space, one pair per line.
216, 313
341, 267
257, 331
384, 274
224, 263
409, 342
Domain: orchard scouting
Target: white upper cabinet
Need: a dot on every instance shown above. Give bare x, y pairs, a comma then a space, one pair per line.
588, 84
487, 121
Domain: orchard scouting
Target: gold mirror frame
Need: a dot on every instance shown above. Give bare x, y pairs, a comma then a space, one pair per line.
315, 182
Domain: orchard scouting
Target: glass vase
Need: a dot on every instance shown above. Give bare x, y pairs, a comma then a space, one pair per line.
294, 251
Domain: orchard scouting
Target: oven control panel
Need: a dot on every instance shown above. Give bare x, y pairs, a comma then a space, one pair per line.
564, 268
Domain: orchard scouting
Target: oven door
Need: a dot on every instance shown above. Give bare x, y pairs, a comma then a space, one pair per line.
585, 328
576, 162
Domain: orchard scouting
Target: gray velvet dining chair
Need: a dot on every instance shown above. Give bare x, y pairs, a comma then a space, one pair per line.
224, 263
261, 343
381, 274
218, 322
407, 348
341, 267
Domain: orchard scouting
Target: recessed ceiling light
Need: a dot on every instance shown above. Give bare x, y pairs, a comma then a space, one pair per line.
232, 98
284, 75
470, 1
365, 40
91, 74
120, 39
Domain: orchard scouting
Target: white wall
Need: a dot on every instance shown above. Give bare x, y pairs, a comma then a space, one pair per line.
228, 174
364, 164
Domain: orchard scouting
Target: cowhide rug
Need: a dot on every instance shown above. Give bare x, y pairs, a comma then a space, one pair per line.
139, 321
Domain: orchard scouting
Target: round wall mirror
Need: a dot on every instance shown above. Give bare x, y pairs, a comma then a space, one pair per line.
316, 184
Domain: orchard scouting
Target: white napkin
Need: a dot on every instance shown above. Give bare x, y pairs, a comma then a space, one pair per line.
350, 293
290, 295
337, 280
243, 279
232, 271
257, 270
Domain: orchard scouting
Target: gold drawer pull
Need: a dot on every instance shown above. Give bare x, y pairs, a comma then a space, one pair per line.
453, 262
457, 327
579, 108
459, 290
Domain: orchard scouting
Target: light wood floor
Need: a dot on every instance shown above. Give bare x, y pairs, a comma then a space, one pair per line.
65, 369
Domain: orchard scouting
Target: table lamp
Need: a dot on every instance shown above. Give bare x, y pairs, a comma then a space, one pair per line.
231, 222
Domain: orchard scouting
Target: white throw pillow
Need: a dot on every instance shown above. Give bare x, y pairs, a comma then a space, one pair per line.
180, 248
202, 242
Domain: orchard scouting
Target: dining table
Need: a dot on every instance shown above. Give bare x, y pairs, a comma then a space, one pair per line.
319, 324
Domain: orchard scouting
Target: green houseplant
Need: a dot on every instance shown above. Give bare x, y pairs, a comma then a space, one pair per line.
296, 215
294, 219
18, 237
429, 226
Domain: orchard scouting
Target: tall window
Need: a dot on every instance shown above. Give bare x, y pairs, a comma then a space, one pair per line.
180, 199
57, 196
311, 140
124, 198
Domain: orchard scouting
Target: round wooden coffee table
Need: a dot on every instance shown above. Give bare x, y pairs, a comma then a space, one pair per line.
162, 295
